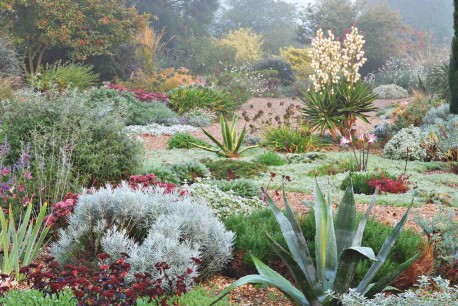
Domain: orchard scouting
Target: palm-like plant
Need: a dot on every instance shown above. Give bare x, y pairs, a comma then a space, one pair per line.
232, 143
338, 252
339, 110
322, 111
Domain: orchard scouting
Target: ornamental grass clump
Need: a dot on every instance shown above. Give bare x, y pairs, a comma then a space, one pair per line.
339, 97
338, 252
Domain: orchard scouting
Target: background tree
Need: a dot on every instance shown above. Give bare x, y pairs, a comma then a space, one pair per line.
275, 20
434, 16
382, 26
385, 35
246, 43
83, 28
334, 15
453, 73
180, 18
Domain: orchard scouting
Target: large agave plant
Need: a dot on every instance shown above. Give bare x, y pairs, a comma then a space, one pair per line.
232, 143
338, 252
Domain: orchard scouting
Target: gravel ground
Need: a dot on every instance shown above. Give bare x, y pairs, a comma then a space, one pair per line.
271, 109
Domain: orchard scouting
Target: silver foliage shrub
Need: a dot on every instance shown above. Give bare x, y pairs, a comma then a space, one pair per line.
409, 137
391, 91
441, 138
148, 225
429, 292
442, 112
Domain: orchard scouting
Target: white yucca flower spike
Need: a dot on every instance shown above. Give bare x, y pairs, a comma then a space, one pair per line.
332, 60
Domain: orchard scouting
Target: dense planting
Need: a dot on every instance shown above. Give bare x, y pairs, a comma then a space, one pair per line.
152, 152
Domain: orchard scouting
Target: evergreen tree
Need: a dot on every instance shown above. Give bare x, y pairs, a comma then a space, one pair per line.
453, 73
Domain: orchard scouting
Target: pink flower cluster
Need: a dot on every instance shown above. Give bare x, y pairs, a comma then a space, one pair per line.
61, 210
142, 95
362, 138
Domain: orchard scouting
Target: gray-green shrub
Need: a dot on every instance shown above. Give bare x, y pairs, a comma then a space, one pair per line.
93, 136
441, 138
409, 137
440, 112
184, 141
243, 187
148, 224
391, 91
189, 171
136, 112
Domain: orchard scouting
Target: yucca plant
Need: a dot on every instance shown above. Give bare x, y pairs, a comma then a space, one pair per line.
20, 246
338, 252
232, 143
340, 109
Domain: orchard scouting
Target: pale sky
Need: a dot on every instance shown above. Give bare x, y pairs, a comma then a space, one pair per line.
299, 1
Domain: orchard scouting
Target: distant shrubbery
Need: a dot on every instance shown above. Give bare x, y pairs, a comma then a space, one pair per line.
64, 76
391, 92
67, 131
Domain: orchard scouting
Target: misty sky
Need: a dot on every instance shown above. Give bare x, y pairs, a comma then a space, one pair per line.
299, 1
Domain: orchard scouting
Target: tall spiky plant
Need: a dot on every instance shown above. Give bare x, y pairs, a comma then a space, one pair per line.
453, 72
338, 251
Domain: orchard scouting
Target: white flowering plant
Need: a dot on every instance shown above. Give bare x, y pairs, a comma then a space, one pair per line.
159, 129
222, 203
338, 97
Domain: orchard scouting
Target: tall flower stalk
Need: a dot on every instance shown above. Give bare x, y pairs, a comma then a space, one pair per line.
338, 96
363, 143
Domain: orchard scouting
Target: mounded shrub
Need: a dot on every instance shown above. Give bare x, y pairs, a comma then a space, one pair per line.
441, 139
223, 203
136, 112
391, 91
243, 187
283, 69
189, 171
199, 121
68, 127
185, 99
270, 159
229, 169
410, 137
148, 224
184, 141
441, 112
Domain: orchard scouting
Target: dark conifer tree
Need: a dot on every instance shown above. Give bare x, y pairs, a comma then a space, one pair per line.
453, 73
